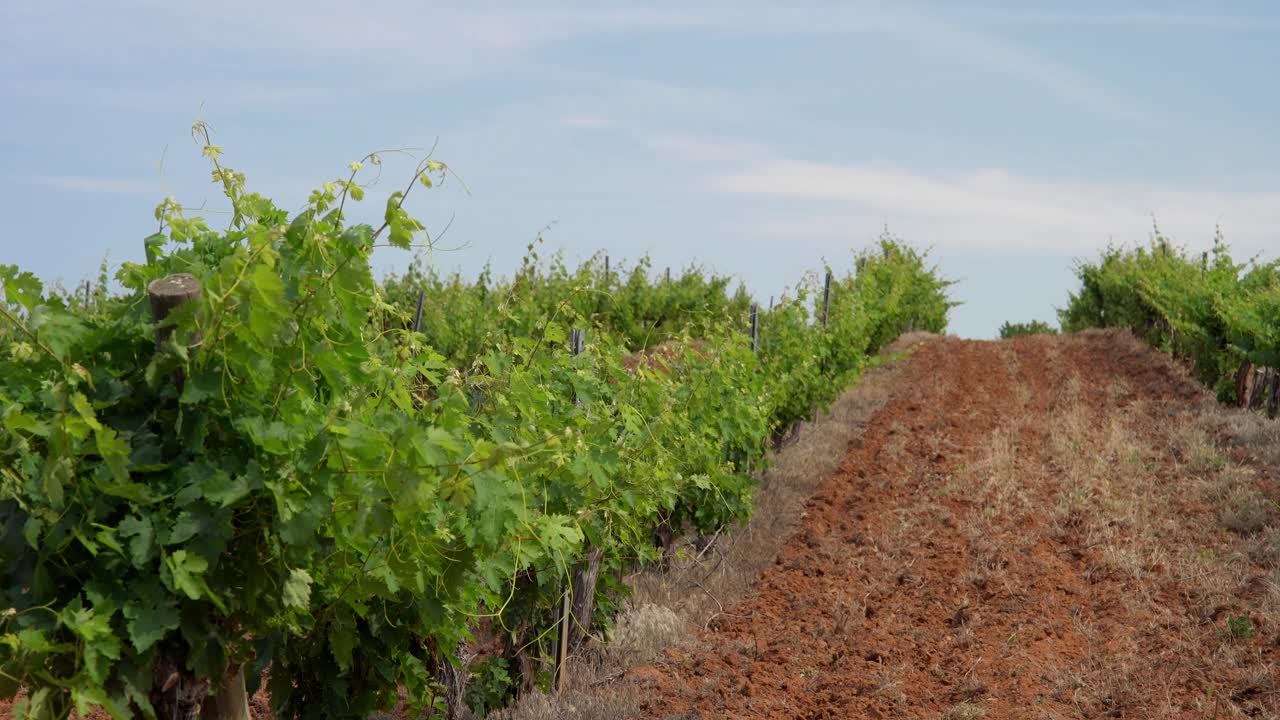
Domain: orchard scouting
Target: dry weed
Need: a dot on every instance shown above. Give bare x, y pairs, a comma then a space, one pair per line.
1200, 455
963, 711
619, 701
642, 633
1245, 511
1265, 548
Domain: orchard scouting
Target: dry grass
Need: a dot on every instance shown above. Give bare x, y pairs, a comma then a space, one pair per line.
1109, 685
643, 632
1250, 430
1115, 506
667, 606
1001, 489
1265, 549
1241, 500
614, 705
1200, 455
1247, 503
1245, 511
889, 681
963, 711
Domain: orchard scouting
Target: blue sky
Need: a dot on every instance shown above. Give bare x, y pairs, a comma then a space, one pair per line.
754, 138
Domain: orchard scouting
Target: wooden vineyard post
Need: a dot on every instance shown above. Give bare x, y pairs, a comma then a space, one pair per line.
1260, 378
755, 328
560, 677
755, 344
166, 295
1242, 383
417, 316
826, 298
229, 699
1274, 400
826, 313
606, 271
564, 615
577, 343
582, 599
668, 276
454, 679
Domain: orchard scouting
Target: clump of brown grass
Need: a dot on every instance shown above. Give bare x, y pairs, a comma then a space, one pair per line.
1251, 430
1265, 549
642, 633
618, 702
1001, 488
1200, 455
1111, 686
1245, 512
1215, 490
1082, 462
889, 682
963, 711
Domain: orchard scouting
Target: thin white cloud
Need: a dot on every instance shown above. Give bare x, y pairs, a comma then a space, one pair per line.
428, 43
1203, 21
229, 98
1059, 79
115, 186
693, 149
585, 121
992, 208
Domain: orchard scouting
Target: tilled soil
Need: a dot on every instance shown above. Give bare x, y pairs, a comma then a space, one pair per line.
1042, 528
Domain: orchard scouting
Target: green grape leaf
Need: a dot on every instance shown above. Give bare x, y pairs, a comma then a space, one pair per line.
142, 535
223, 490
56, 475
555, 333
185, 528
22, 288
297, 589
187, 573
150, 616
115, 451
342, 643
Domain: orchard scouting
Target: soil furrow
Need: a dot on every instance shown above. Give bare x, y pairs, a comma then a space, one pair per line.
1031, 529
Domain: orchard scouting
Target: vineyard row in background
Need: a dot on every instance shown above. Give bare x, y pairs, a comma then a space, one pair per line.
352, 487
1219, 315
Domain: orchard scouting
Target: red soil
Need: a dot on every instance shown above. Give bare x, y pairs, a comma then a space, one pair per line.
917, 587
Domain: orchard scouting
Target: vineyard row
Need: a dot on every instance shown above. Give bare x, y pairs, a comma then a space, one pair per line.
256, 460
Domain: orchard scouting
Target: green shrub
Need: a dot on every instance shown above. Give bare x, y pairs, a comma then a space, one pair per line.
1035, 327
1204, 308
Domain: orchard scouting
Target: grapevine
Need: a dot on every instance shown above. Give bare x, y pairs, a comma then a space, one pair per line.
299, 485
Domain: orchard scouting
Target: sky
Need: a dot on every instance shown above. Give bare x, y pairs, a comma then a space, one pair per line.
756, 139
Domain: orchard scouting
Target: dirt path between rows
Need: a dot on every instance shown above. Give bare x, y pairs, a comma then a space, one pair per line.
1042, 528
